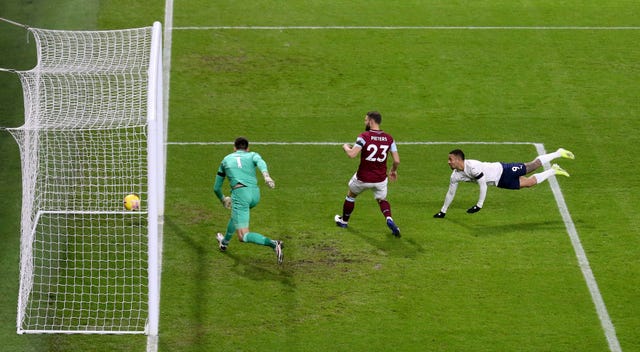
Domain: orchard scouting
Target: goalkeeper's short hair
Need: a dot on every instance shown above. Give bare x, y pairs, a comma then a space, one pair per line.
241, 143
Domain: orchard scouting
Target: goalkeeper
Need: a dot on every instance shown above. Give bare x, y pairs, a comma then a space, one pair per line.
240, 168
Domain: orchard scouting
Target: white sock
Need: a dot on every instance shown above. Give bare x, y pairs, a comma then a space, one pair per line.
542, 176
546, 158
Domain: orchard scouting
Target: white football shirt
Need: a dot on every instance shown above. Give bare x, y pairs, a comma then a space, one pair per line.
474, 170
482, 173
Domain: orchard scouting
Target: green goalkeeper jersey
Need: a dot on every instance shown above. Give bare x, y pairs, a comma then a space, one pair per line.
240, 168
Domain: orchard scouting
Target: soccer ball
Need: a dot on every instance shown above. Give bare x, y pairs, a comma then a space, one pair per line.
131, 202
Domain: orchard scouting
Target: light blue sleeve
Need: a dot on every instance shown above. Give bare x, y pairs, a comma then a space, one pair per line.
217, 186
260, 163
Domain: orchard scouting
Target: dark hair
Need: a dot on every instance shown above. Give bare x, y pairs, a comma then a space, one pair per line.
375, 116
241, 143
457, 152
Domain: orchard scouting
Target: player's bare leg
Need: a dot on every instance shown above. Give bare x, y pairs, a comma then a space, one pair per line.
546, 158
542, 176
531, 166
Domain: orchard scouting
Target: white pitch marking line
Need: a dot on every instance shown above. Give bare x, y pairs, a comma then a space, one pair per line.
583, 262
533, 28
341, 143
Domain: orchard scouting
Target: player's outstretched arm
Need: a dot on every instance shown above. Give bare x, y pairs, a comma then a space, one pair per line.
451, 193
481, 197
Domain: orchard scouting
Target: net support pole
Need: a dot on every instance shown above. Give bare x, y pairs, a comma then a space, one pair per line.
155, 165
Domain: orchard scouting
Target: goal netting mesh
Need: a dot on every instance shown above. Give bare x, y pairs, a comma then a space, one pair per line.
87, 141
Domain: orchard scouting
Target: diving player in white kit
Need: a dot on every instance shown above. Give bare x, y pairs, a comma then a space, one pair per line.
502, 175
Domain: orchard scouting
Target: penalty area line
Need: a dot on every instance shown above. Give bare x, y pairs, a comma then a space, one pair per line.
433, 28
583, 262
341, 143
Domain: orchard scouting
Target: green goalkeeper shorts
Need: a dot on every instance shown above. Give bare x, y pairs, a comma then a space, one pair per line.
242, 200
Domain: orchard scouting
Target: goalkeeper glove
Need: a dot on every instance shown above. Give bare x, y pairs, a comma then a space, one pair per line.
226, 202
439, 215
473, 209
268, 180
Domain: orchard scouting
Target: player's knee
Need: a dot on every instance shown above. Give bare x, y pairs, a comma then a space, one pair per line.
532, 165
526, 182
241, 233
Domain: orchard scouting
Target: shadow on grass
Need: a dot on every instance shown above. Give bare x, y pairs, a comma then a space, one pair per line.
260, 270
481, 230
405, 246
199, 301
201, 275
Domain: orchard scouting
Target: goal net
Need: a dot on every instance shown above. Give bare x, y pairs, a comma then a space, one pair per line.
93, 133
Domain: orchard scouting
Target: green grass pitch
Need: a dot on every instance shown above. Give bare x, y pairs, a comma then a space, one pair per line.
505, 279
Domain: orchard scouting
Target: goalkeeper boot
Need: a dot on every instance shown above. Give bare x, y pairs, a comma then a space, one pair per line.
279, 253
559, 171
340, 222
566, 154
221, 245
394, 228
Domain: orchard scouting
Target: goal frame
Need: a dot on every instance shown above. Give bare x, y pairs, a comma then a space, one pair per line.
156, 169
155, 188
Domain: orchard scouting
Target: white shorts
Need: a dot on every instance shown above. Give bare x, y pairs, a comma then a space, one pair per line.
379, 188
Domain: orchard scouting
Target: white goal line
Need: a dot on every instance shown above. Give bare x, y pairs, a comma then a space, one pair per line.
92, 212
581, 256
474, 28
85, 332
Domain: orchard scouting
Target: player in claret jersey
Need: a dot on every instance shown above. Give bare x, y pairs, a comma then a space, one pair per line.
374, 147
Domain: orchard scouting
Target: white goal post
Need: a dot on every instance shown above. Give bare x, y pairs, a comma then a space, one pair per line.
93, 133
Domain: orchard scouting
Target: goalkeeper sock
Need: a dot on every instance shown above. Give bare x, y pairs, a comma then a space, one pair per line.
347, 208
546, 158
385, 208
231, 229
542, 176
254, 237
